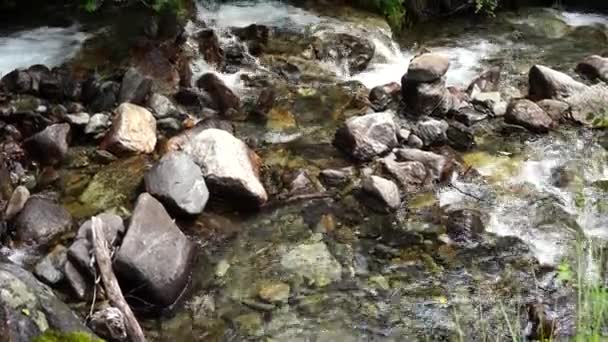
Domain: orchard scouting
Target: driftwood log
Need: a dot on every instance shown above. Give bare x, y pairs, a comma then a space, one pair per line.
110, 283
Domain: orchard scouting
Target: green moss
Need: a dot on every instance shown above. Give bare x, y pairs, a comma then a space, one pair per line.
55, 336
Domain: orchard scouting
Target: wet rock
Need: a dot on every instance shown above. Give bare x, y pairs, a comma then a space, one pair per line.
344, 48
161, 106
403, 135
426, 98
587, 106
314, 263
256, 36
301, 183
411, 175
431, 131
50, 268
134, 88
109, 323
439, 167
274, 292
367, 136
78, 119
59, 85
460, 136
529, 115
427, 68
194, 98
169, 125
101, 96
17, 81
209, 47
382, 97
491, 100
383, 190
155, 256
49, 146
464, 227
17, 201
97, 124
30, 307
487, 81
594, 67
331, 177
230, 168
414, 141
41, 221
178, 182
224, 99
133, 130
37, 72
557, 110
79, 284
546, 83
224, 125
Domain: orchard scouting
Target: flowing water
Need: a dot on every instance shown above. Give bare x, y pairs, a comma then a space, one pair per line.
387, 277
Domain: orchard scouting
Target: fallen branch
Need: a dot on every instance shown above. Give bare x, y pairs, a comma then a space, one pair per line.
110, 283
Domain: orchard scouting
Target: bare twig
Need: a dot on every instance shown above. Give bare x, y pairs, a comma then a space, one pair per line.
110, 283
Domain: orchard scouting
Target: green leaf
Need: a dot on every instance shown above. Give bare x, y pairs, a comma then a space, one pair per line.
564, 273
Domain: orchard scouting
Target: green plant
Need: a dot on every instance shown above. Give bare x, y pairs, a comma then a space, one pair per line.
486, 6
157, 5
598, 120
55, 336
392, 10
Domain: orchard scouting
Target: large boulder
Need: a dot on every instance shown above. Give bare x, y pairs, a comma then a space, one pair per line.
17, 81
49, 146
529, 115
223, 98
178, 182
29, 308
155, 256
230, 168
546, 83
352, 51
133, 130
41, 221
427, 67
594, 67
367, 136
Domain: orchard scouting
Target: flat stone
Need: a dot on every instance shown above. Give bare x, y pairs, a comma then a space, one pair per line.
384, 190
313, 262
428, 67
365, 137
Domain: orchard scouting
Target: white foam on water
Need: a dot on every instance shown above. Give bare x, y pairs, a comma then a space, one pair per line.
245, 13
577, 19
50, 46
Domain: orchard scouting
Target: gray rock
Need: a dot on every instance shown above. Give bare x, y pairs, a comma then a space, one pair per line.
591, 101
230, 168
432, 98
134, 88
133, 130
464, 227
79, 284
428, 67
355, 52
557, 110
439, 167
155, 256
178, 182
301, 184
314, 263
109, 323
411, 175
50, 268
383, 190
41, 221
331, 177
18, 81
365, 137
431, 131
546, 83
414, 141
224, 99
169, 124
49, 146
491, 100
78, 119
382, 97
594, 67
30, 307
161, 106
97, 124
460, 136
487, 81
17, 201
529, 115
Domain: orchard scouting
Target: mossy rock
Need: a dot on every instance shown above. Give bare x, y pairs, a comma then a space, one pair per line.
54, 336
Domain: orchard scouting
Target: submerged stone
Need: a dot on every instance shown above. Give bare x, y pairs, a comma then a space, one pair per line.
313, 262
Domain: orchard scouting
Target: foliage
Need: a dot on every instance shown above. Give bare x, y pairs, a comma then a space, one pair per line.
392, 10
486, 6
174, 6
55, 336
